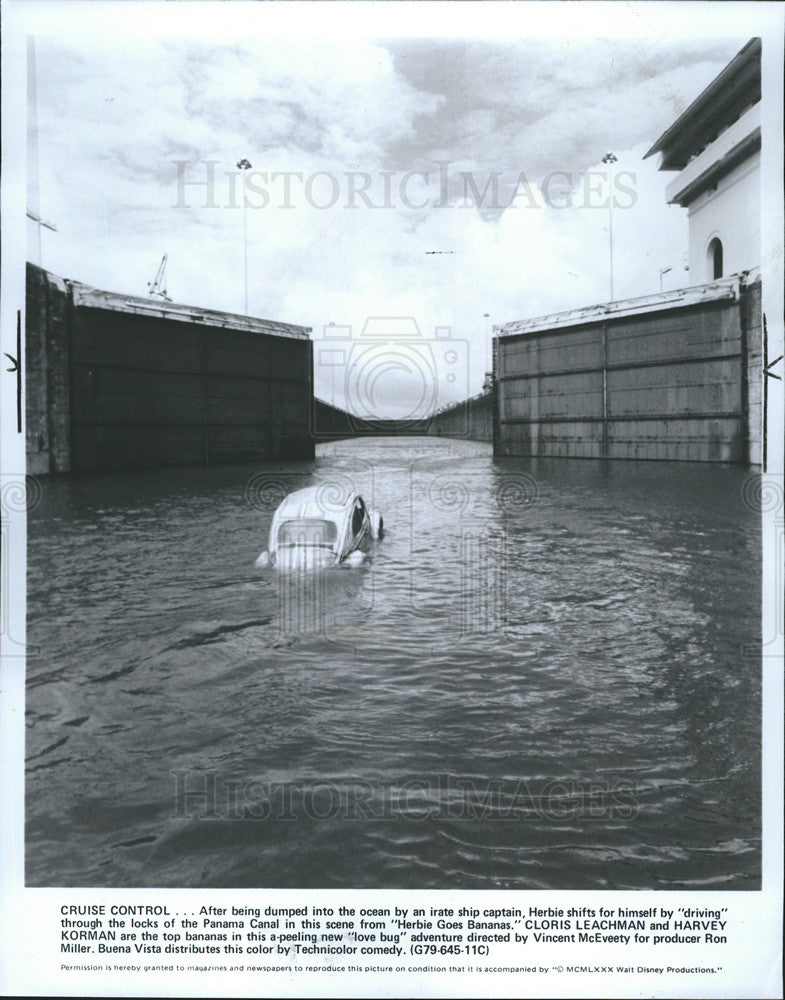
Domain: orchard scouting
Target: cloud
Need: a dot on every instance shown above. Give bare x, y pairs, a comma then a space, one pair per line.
537, 106
115, 115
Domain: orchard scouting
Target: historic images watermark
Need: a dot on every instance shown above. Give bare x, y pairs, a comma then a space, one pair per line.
208, 184
214, 795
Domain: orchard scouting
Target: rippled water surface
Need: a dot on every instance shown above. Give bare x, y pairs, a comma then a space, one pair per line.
541, 678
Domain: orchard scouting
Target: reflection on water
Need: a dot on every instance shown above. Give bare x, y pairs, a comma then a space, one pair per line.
538, 679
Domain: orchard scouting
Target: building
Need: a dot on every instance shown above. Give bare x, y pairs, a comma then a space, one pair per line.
677, 375
715, 146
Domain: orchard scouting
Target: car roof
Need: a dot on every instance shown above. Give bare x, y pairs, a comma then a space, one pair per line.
327, 501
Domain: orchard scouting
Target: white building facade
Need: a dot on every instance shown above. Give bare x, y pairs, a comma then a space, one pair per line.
715, 146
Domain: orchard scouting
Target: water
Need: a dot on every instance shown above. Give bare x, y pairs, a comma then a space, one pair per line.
540, 679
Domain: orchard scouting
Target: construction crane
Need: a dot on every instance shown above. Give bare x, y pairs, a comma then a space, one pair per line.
156, 288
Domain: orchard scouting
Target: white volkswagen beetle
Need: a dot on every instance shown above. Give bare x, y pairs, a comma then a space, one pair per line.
311, 530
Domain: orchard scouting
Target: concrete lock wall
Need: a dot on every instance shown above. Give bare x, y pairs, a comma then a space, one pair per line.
675, 376
472, 420
117, 382
331, 423
47, 392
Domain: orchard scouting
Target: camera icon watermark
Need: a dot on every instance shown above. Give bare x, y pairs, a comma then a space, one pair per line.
390, 374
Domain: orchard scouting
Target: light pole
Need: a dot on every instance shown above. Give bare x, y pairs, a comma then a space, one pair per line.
245, 165
663, 272
40, 223
332, 373
609, 158
488, 347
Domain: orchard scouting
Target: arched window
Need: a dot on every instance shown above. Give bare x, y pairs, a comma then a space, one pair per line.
714, 254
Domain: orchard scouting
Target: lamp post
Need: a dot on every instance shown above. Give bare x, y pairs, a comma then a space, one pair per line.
40, 223
610, 159
488, 346
663, 272
245, 165
332, 371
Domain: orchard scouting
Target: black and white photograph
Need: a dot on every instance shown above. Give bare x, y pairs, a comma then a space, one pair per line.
400, 412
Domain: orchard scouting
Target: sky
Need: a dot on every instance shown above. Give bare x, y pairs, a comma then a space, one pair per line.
437, 187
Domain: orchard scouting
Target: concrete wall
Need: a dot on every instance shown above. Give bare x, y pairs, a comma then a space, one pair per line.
472, 419
732, 214
47, 365
678, 383
117, 383
752, 327
330, 423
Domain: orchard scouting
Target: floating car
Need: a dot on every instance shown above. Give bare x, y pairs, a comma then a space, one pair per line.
312, 529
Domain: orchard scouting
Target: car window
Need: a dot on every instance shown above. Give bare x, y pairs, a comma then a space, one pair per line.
357, 518
307, 531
